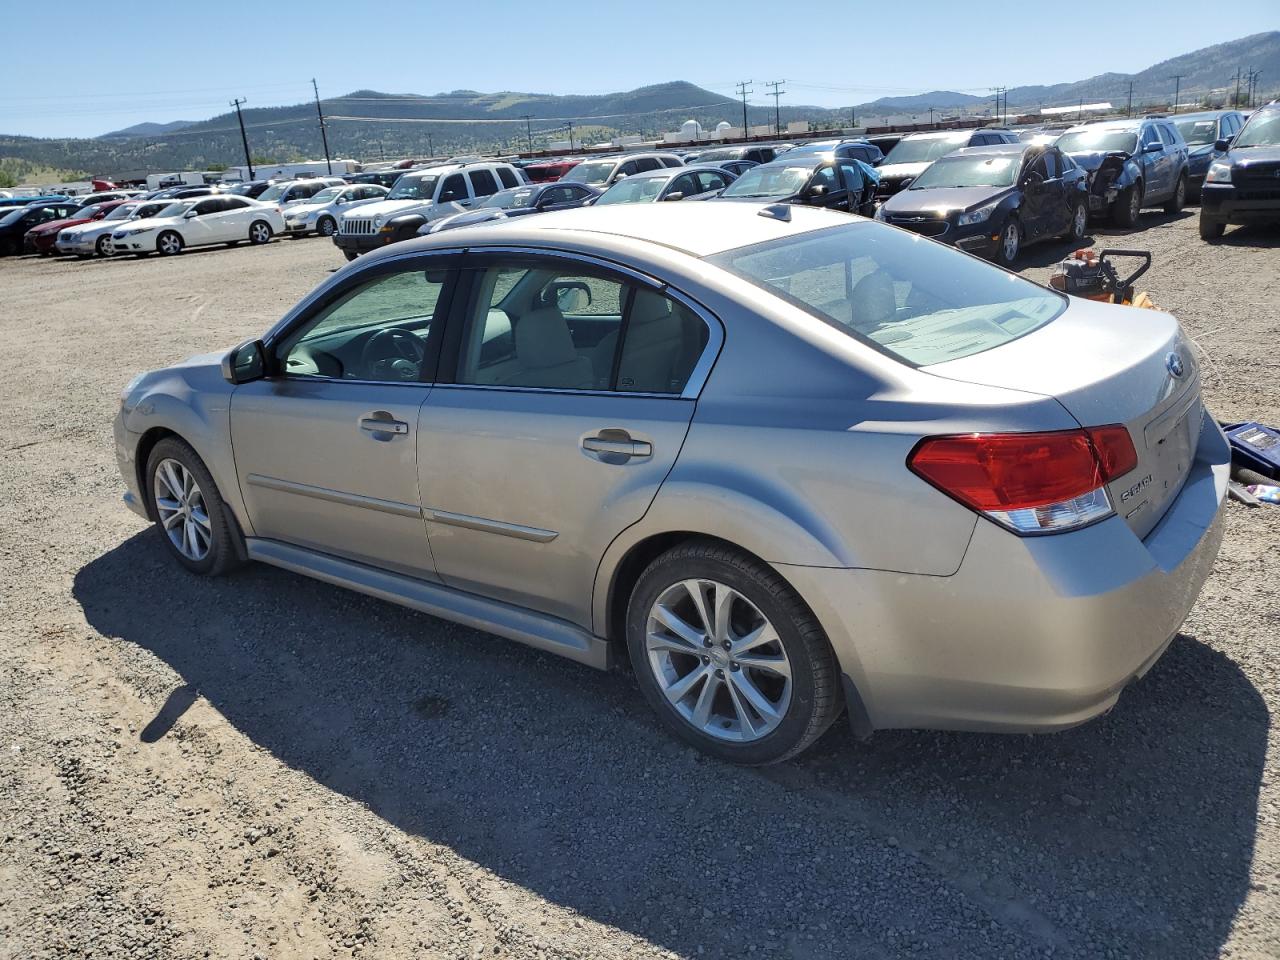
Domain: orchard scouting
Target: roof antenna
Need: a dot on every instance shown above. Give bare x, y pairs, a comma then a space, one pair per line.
776, 211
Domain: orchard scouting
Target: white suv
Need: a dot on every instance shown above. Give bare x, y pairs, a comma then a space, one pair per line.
420, 196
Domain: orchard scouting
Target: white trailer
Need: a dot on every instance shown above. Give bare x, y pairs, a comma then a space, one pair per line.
290, 171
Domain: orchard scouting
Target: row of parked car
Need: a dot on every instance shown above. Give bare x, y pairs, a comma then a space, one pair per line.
989, 191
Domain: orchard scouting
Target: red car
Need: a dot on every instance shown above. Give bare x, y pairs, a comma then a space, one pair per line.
41, 239
549, 171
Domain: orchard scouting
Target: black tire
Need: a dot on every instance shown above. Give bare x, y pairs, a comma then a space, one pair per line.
259, 232
1246, 476
167, 239
1079, 225
1128, 206
349, 255
223, 554
1002, 256
1211, 229
816, 698
326, 226
233, 243
1179, 198
100, 246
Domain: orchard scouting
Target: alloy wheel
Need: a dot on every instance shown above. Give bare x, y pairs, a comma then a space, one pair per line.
1009, 243
105, 247
170, 244
718, 660
327, 228
1135, 204
181, 508
260, 233
1079, 222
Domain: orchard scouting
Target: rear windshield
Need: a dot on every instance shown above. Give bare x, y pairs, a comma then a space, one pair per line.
1098, 139
921, 149
916, 300
595, 171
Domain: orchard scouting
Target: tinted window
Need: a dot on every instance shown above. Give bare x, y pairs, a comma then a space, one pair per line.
508, 177
660, 346
825, 177
376, 332
207, 206
1149, 135
482, 183
541, 327
648, 163
234, 203
1049, 161
453, 189
919, 301
685, 184
852, 176
672, 162
711, 181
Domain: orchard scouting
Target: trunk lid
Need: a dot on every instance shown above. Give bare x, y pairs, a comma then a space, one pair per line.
1107, 364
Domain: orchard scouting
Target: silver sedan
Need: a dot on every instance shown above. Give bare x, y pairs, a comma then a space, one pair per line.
789, 462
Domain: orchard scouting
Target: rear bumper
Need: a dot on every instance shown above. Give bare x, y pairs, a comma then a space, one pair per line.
126, 444
1030, 634
1225, 203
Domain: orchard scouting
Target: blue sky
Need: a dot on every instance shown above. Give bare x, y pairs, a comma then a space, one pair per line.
849, 54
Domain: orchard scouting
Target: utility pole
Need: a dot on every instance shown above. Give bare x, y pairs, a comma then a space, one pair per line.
1253, 81
528, 131
324, 137
931, 116
743, 90
571, 136
998, 91
1128, 110
777, 110
1236, 100
431, 144
1177, 88
244, 138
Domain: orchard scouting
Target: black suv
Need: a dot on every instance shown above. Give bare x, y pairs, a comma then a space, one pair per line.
814, 180
1132, 164
868, 153
916, 151
1244, 185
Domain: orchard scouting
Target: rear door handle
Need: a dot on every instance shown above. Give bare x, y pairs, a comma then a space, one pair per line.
618, 445
376, 425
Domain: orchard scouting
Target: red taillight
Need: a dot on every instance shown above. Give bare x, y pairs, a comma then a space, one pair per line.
1053, 475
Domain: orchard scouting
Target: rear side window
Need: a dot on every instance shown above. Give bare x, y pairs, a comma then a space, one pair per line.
647, 163
482, 183
915, 300
672, 162
661, 343
507, 177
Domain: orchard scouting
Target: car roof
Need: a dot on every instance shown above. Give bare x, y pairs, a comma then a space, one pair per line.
942, 135
803, 160
1128, 126
1202, 115
697, 229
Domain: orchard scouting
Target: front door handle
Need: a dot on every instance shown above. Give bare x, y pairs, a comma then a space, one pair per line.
379, 426
616, 446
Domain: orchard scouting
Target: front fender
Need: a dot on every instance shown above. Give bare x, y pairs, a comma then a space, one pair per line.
193, 402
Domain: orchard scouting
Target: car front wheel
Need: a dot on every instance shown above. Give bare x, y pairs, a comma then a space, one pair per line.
1179, 198
728, 655
168, 244
1211, 229
1079, 222
1009, 244
326, 227
188, 509
1128, 206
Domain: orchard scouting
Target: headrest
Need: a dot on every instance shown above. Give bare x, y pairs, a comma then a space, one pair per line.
648, 307
542, 339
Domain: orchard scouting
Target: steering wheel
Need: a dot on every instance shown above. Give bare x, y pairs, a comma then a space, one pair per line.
393, 353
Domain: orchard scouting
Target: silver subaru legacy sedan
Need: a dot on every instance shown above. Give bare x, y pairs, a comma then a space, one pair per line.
793, 462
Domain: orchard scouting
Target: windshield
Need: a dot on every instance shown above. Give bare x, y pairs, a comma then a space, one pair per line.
923, 149
594, 171
273, 192
1198, 131
1098, 139
768, 181
413, 188
175, 209
509, 199
149, 209
12, 217
122, 212
1263, 129
642, 190
976, 171
87, 213
906, 296
327, 195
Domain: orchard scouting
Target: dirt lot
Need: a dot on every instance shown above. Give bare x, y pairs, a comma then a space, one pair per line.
264, 766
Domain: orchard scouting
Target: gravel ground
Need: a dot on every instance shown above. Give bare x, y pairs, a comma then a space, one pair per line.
265, 766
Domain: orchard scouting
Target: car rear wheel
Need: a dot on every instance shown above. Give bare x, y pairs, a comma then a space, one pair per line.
728, 655
1079, 222
1179, 198
1128, 206
168, 244
349, 255
103, 246
259, 232
1211, 229
188, 509
1010, 243
326, 226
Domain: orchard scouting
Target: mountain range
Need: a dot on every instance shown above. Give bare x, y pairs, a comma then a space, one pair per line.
369, 124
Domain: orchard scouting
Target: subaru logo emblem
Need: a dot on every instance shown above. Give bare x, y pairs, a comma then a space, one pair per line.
1173, 363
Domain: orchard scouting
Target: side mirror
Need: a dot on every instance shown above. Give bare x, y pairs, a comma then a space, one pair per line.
1222, 146
677, 195
1153, 148
191, 213
819, 191
245, 363
338, 201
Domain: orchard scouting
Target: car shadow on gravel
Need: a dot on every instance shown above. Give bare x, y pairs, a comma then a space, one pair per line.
1131, 836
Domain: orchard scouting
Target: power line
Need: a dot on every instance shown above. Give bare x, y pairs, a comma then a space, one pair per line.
777, 110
